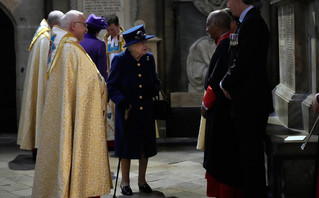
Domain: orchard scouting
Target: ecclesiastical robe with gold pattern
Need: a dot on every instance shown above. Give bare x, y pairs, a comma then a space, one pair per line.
72, 158
34, 87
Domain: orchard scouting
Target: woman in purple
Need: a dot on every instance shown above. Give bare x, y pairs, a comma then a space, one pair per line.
93, 46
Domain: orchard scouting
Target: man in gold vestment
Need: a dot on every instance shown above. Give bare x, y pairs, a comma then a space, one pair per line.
34, 84
72, 157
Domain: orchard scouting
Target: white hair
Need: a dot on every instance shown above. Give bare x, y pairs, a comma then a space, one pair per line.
221, 17
54, 17
69, 17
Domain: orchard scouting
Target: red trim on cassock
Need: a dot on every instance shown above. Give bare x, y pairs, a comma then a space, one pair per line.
224, 36
110, 143
209, 97
220, 190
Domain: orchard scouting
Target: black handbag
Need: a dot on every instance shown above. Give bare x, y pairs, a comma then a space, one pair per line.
161, 107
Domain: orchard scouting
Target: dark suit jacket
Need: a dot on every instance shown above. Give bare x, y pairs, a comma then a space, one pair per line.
246, 79
251, 102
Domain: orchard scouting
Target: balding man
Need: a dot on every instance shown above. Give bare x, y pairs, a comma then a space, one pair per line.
220, 156
246, 86
34, 84
72, 159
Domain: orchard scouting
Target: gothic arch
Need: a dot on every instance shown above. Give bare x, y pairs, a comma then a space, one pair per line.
8, 103
4, 9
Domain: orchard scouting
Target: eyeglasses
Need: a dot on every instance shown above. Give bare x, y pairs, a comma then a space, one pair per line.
85, 25
139, 35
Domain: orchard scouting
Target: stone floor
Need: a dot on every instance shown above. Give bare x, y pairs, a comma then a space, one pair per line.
176, 171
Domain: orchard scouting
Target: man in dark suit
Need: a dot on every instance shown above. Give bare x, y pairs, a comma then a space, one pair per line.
246, 85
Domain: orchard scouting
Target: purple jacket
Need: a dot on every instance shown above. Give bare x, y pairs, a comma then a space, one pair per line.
97, 51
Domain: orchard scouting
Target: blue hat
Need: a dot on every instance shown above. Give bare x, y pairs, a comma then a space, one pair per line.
134, 35
96, 22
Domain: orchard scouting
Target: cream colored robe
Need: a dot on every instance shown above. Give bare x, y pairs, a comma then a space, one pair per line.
201, 133
72, 158
34, 86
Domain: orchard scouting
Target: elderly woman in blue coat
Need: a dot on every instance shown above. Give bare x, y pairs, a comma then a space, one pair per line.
133, 82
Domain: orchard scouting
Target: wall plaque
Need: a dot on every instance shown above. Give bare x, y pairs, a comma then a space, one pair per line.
286, 28
101, 7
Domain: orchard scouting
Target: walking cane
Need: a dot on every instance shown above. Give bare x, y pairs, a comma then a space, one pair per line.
127, 111
309, 135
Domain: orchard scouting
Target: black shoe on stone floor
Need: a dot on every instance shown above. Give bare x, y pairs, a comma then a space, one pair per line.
126, 190
145, 188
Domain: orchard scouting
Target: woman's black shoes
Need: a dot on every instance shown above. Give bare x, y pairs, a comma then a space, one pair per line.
126, 190
145, 188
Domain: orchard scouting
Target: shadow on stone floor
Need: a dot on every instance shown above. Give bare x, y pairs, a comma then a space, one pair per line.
22, 162
154, 194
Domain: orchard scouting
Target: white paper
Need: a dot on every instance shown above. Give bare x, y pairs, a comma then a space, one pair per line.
294, 138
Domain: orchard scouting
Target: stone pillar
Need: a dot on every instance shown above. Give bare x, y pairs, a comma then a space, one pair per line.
308, 115
306, 105
293, 65
25, 26
152, 47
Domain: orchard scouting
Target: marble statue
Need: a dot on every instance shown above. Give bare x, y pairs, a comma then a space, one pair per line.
200, 53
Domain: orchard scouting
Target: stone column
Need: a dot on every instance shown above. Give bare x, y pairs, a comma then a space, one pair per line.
152, 47
308, 115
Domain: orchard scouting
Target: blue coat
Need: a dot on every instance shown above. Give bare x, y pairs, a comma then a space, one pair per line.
96, 49
135, 82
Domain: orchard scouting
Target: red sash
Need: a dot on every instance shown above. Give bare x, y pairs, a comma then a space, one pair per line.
222, 37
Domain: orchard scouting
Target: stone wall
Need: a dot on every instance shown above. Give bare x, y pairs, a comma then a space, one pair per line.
24, 25
25, 16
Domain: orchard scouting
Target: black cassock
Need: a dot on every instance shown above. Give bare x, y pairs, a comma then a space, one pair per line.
221, 149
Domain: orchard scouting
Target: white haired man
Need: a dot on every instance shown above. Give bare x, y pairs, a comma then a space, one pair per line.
34, 84
72, 159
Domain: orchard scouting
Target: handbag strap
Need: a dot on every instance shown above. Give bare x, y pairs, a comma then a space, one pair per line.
157, 97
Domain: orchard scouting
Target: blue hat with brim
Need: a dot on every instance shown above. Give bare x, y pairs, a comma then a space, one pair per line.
134, 35
96, 22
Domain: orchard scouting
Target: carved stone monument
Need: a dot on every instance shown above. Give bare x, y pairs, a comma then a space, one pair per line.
125, 9
195, 60
293, 97
293, 86
209, 5
192, 55
200, 53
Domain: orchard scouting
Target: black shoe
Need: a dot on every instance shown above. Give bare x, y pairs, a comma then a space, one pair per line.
126, 190
145, 188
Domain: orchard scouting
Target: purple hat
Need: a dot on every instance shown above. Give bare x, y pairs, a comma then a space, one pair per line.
134, 35
96, 22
